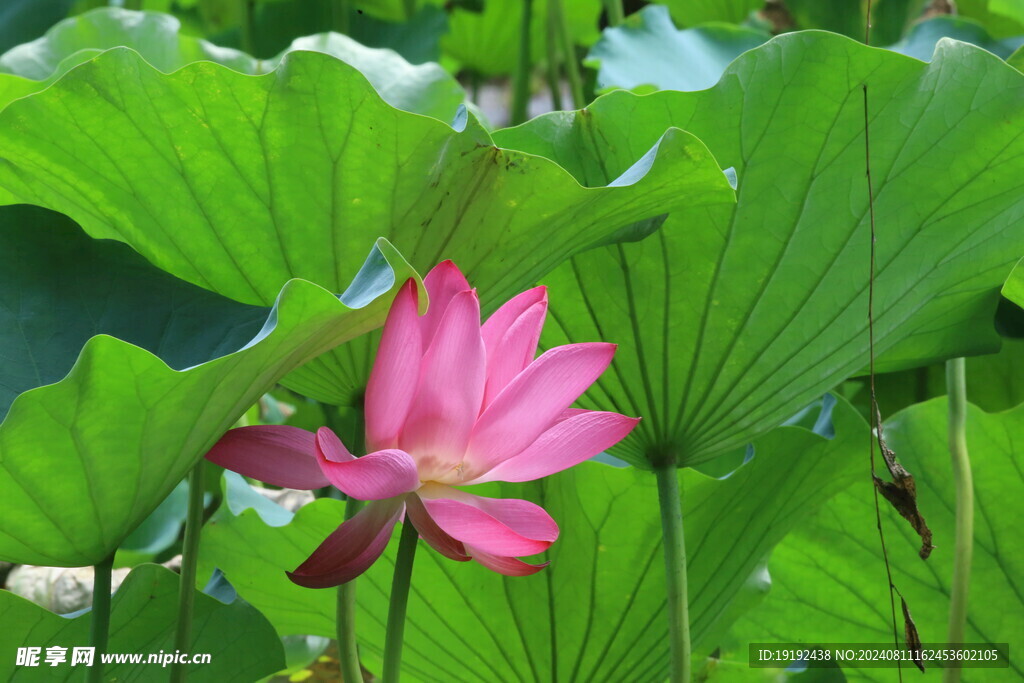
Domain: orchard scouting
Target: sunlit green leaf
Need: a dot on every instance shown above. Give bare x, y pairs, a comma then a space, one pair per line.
732, 317
241, 643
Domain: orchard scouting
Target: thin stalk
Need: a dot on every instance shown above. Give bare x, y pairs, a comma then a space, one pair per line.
554, 58
572, 67
341, 10
247, 27
614, 10
348, 648
99, 619
671, 504
521, 78
410, 9
956, 387
399, 601
189, 558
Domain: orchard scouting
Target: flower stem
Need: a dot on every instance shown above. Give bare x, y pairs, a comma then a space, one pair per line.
572, 67
348, 649
670, 501
615, 13
521, 78
247, 26
189, 558
399, 601
99, 620
956, 388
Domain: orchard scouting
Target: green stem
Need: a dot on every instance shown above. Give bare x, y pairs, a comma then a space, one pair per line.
399, 600
554, 57
615, 13
521, 78
956, 387
189, 558
410, 9
341, 10
247, 27
572, 67
348, 649
99, 620
670, 502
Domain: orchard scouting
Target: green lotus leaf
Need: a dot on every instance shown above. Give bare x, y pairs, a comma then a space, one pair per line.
693, 12
647, 49
86, 460
597, 612
424, 89
240, 641
235, 195
1002, 18
830, 569
731, 318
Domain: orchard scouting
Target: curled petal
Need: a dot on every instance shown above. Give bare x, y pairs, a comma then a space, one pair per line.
392, 382
276, 454
506, 527
380, 475
533, 401
451, 387
514, 351
351, 548
442, 283
569, 442
432, 533
509, 566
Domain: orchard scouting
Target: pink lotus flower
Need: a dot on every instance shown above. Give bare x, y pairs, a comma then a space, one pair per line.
449, 403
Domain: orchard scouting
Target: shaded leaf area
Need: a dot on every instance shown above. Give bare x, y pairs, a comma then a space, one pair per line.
425, 89
829, 571
487, 41
923, 37
692, 12
309, 166
123, 428
596, 614
732, 317
995, 382
648, 50
240, 641
23, 20
58, 288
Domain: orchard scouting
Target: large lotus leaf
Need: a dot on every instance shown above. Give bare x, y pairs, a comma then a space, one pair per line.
730, 318
921, 40
1002, 18
828, 577
488, 41
58, 288
85, 460
1013, 288
647, 49
597, 612
425, 89
238, 184
240, 641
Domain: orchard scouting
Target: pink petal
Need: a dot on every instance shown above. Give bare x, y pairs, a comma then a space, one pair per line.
431, 532
392, 383
380, 475
507, 527
499, 323
509, 566
567, 443
351, 548
533, 401
442, 283
451, 387
514, 351
275, 454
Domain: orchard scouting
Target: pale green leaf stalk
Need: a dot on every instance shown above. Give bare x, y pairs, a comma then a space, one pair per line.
956, 388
